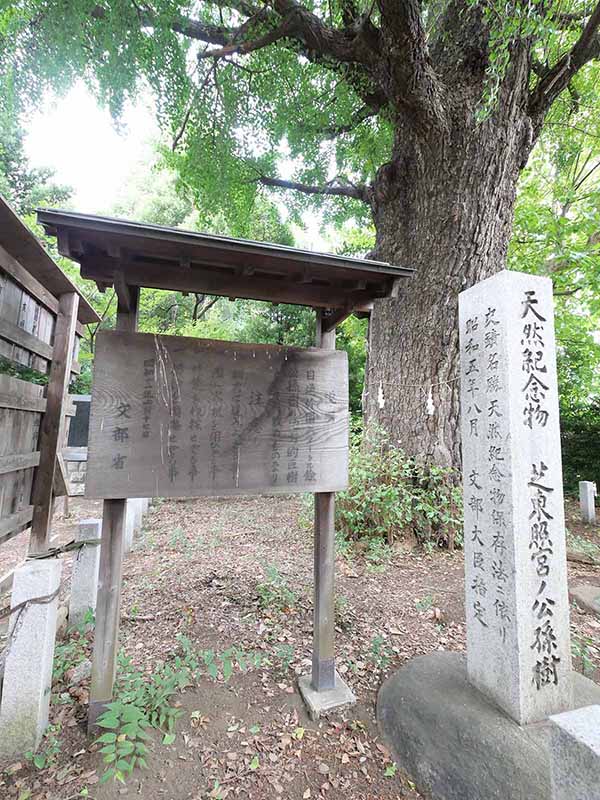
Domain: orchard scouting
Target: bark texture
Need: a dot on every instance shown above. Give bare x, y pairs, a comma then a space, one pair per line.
443, 205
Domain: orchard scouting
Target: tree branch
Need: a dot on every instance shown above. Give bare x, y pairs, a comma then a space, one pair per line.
334, 187
557, 78
415, 84
364, 113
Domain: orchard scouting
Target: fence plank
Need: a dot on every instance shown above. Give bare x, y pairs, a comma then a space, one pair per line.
24, 396
17, 461
12, 525
25, 340
27, 281
51, 434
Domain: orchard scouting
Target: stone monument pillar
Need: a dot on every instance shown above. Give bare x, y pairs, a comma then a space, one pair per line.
517, 606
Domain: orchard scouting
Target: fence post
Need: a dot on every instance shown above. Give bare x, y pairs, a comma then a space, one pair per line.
30, 653
84, 582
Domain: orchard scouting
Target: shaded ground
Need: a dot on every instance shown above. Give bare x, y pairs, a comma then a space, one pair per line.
202, 569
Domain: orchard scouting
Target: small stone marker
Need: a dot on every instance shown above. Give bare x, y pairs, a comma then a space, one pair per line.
575, 754
28, 669
517, 606
587, 500
84, 581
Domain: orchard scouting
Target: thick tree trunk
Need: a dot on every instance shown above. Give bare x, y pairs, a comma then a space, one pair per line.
445, 208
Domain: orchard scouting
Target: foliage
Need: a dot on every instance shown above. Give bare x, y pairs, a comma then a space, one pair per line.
16, 370
391, 494
557, 233
274, 592
26, 188
582, 545
583, 650
380, 653
580, 434
47, 754
122, 743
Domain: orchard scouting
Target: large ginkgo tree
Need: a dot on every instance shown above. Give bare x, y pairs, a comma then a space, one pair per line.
416, 117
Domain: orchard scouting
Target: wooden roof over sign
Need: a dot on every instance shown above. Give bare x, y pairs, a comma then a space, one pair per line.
120, 253
20, 243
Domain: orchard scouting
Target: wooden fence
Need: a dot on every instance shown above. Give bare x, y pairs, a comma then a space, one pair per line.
39, 331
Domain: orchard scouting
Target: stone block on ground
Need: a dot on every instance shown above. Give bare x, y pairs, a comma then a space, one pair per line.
575, 747
318, 703
587, 596
587, 501
455, 743
28, 667
86, 562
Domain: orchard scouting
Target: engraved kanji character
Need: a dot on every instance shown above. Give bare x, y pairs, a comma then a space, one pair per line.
491, 338
476, 536
490, 317
120, 434
495, 453
118, 461
472, 368
478, 560
502, 610
498, 571
472, 325
545, 638
478, 586
476, 505
123, 410
479, 611
493, 410
497, 496
527, 306
473, 479
545, 671
494, 431
493, 362
544, 607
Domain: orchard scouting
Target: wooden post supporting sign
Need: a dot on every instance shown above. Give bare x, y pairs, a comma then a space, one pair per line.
106, 638
323, 660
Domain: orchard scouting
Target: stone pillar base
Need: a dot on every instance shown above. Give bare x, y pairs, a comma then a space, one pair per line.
455, 743
318, 703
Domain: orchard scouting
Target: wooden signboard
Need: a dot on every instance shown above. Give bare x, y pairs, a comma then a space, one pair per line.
178, 417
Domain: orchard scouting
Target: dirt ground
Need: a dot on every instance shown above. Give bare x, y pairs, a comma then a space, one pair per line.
204, 569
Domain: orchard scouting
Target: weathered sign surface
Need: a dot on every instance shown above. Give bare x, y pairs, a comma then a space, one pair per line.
180, 417
517, 606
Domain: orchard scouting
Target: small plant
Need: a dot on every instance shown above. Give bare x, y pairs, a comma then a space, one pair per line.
123, 745
341, 611
285, 653
46, 755
343, 546
378, 555
583, 545
69, 653
425, 603
380, 654
274, 593
179, 540
582, 648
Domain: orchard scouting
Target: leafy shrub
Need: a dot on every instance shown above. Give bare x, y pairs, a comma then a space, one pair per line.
274, 592
391, 494
580, 441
